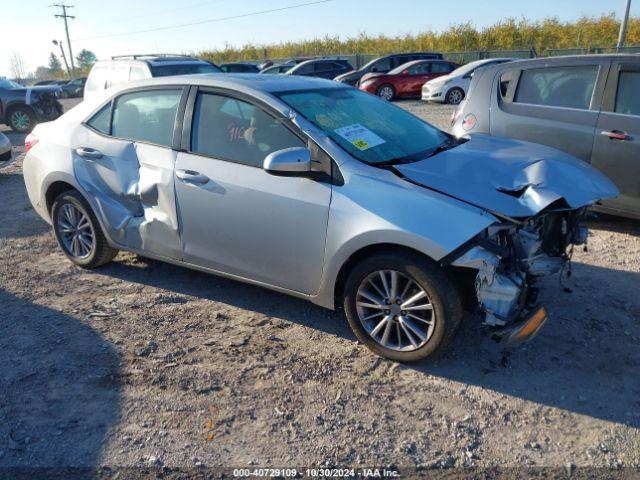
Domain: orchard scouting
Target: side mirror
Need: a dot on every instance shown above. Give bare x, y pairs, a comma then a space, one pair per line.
405, 72
374, 69
294, 161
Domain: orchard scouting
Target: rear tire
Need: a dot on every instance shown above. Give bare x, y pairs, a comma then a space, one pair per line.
431, 285
78, 231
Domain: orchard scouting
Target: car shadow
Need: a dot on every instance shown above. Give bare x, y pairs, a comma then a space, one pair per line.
585, 360
59, 391
614, 224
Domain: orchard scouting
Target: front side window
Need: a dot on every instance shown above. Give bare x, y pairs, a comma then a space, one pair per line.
628, 98
183, 69
229, 129
146, 116
304, 69
368, 128
381, 66
441, 68
570, 87
419, 69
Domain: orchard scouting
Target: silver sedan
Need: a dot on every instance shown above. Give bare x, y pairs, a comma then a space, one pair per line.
320, 191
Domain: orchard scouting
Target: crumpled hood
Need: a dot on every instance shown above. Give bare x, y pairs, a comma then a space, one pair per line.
510, 177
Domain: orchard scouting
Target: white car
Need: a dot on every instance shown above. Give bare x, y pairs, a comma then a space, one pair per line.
5, 149
453, 88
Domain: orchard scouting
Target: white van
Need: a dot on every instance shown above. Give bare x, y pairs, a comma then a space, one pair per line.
126, 68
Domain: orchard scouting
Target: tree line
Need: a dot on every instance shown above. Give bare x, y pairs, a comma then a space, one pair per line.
507, 34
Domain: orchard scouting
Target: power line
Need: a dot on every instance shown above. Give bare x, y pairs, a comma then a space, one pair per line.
201, 22
170, 10
64, 16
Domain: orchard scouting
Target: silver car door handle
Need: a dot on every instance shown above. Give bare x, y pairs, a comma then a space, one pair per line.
189, 176
90, 153
616, 135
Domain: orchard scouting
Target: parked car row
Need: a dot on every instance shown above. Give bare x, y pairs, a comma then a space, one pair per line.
70, 88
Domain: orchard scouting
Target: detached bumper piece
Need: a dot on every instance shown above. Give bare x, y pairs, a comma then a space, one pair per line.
524, 330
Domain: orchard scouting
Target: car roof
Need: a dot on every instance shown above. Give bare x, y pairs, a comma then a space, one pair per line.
242, 82
568, 59
423, 60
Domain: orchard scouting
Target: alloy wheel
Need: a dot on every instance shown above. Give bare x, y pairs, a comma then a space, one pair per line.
20, 120
455, 96
76, 231
386, 93
395, 310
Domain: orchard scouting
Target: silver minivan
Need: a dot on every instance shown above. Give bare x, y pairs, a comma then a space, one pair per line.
587, 106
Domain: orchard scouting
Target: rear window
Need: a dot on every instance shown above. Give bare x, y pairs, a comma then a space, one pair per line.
627, 98
147, 116
569, 87
183, 69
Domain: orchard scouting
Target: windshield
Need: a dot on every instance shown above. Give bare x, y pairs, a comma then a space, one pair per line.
370, 129
184, 69
8, 84
463, 70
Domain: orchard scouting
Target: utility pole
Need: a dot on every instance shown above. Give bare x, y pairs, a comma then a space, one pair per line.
64, 16
64, 57
623, 27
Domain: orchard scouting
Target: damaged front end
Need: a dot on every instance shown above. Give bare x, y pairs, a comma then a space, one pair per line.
45, 104
509, 258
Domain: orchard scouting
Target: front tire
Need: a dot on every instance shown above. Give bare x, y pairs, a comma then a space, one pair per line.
78, 231
455, 96
21, 119
386, 92
402, 306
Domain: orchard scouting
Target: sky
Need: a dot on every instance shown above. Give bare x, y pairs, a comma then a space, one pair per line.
29, 26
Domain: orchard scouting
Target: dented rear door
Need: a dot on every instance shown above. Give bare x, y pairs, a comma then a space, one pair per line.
125, 161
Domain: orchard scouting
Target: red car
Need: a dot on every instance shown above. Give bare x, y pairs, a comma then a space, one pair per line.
405, 80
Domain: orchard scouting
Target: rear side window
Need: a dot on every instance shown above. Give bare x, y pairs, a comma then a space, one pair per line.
628, 98
146, 116
97, 78
230, 129
137, 73
101, 121
441, 68
570, 87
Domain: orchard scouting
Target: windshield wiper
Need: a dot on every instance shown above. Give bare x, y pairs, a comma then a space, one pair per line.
442, 148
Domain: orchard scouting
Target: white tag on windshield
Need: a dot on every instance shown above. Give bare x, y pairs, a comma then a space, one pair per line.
360, 137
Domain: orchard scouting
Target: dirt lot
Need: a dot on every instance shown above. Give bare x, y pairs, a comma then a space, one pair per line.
143, 364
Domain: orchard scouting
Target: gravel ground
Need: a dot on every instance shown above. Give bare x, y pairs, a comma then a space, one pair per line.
144, 364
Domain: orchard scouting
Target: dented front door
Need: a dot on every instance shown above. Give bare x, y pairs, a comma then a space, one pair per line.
132, 188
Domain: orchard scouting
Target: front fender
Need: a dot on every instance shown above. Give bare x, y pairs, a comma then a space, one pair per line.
368, 211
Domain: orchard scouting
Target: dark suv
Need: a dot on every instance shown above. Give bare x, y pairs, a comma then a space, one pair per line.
22, 108
385, 64
322, 68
